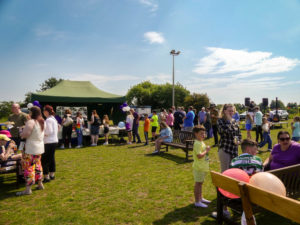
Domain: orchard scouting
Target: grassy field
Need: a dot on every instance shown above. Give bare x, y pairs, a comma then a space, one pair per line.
117, 184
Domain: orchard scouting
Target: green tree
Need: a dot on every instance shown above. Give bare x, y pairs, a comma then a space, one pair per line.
292, 105
50, 83
239, 107
280, 104
156, 95
197, 101
5, 108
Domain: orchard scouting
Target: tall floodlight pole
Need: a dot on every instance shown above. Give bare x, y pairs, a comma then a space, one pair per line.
174, 53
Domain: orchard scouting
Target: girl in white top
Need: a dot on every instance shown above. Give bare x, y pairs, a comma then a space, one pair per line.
34, 147
106, 128
51, 141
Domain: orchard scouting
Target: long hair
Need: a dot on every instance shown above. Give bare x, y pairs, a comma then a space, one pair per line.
225, 106
37, 115
105, 118
49, 109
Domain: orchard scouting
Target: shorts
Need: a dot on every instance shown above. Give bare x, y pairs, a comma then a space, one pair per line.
199, 176
153, 129
248, 127
94, 130
106, 130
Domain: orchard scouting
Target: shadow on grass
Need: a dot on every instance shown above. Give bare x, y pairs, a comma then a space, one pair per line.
187, 214
165, 155
8, 187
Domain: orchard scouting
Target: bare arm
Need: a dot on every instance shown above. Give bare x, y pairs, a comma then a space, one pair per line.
201, 155
267, 161
28, 129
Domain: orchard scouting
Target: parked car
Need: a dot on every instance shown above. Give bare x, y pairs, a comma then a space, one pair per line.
283, 114
243, 115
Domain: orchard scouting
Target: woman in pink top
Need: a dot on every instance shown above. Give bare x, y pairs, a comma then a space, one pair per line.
170, 119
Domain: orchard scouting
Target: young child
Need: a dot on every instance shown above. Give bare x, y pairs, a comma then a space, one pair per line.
266, 134
200, 165
296, 129
154, 124
248, 161
146, 128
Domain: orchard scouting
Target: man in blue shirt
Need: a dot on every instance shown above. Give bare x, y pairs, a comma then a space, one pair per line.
201, 116
188, 123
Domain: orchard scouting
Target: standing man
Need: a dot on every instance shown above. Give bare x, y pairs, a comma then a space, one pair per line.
178, 119
201, 116
188, 121
214, 114
258, 121
19, 118
154, 124
135, 126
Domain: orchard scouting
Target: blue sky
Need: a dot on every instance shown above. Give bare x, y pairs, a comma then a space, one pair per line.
229, 49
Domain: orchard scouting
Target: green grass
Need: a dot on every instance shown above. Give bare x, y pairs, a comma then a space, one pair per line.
117, 184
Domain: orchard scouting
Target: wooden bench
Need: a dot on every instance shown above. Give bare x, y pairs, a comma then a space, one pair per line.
183, 140
284, 206
14, 168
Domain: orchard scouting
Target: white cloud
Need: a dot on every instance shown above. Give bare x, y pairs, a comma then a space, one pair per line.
102, 79
243, 63
160, 78
150, 3
154, 37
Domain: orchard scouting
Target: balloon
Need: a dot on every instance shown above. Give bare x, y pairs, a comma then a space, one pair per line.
235, 173
126, 109
121, 124
36, 103
268, 182
29, 105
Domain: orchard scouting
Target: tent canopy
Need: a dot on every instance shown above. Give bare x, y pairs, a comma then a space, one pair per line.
68, 91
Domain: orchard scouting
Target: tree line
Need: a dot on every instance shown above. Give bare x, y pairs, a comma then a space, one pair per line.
157, 96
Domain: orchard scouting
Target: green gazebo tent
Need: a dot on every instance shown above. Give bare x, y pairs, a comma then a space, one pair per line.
82, 93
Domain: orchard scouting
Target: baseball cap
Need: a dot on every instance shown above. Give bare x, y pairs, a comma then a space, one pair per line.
4, 137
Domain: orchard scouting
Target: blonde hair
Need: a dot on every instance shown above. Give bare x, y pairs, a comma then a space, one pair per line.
225, 106
163, 124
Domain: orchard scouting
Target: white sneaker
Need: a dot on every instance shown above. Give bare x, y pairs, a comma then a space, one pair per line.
269, 149
105, 143
93, 144
62, 147
78, 146
70, 146
205, 201
129, 143
201, 204
155, 152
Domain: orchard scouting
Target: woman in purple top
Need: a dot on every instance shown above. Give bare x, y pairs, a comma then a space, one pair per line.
285, 153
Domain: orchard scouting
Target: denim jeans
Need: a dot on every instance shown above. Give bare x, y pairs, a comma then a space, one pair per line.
146, 136
79, 136
267, 139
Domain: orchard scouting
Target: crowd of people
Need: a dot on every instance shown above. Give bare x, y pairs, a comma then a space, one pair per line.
40, 129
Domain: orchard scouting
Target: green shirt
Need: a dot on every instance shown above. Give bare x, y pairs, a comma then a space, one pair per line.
19, 121
154, 123
201, 164
249, 163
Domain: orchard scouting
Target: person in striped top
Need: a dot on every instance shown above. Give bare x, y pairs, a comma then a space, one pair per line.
248, 161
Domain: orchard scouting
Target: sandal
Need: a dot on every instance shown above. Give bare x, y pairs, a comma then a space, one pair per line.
20, 193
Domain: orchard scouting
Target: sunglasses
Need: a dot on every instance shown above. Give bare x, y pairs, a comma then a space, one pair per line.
285, 139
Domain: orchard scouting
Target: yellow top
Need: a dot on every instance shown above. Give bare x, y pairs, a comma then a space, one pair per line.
201, 164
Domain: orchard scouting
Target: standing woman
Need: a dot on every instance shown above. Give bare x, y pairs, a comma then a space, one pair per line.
67, 123
50, 141
34, 147
230, 136
106, 128
79, 127
249, 122
170, 118
95, 123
